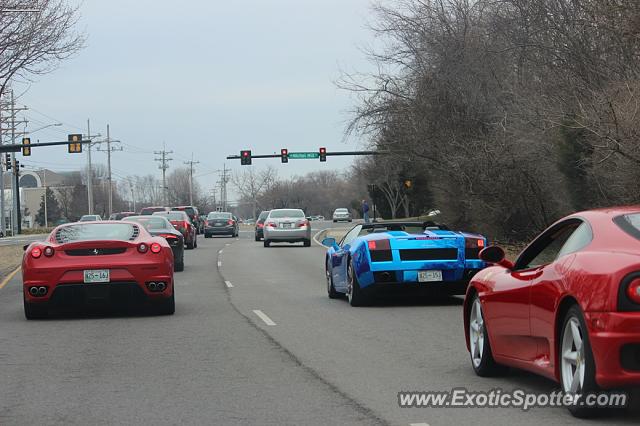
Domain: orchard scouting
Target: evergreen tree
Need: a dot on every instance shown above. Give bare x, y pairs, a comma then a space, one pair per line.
53, 209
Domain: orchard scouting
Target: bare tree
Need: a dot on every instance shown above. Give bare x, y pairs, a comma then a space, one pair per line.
251, 184
36, 36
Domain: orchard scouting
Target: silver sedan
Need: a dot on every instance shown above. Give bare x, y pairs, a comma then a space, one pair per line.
287, 226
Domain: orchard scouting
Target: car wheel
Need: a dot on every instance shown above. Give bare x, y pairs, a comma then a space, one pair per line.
334, 221
35, 310
331, 290
480, 349
167, 306
257, 238
189, 245
577, 367
355, 294
179, 266
207, 236
195, 242
267, 243
307, 243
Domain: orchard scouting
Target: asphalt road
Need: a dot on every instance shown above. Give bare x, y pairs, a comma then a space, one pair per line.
21, 239
217, 361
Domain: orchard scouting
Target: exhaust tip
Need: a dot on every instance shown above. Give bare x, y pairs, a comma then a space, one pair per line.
42, 291
33, 291
152, 286
161, 286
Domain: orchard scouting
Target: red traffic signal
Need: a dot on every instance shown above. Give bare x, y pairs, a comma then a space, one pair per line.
323, 154
284, 155
245, 157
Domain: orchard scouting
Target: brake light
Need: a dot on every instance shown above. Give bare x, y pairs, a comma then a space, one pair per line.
143, 248
168, 236
36, 252
206, 223
260, 225
474, 243
230, 222
48, 251
303, 224
379, 245
272, 225
185, 224
156, 248
633, 291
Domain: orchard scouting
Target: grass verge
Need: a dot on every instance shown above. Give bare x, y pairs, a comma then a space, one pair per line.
10, 258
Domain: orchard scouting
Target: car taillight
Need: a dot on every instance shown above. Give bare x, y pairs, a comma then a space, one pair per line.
260, 225
48, 251
633, 291
272, 225
156, 248
379, 245
206, 223
474, 243
303, 223
143, 248
36, 252
230, 222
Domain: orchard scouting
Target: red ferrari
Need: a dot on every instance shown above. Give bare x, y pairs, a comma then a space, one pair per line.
568, 308
96, 264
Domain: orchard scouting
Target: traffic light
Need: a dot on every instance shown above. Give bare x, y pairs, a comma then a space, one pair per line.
75, 143
284, 155
245, 158
7, 161
26, 150
323, 154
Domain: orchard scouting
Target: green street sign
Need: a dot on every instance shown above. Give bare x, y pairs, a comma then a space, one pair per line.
303, 155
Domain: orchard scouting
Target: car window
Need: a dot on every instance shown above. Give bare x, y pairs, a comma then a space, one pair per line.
580, 238
351, 235
263, 216
278, 214
214, 215
546, 248
152, 222
96, 231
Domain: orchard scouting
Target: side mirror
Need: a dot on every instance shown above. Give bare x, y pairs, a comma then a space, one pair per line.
25, 247
495, 255
330, 242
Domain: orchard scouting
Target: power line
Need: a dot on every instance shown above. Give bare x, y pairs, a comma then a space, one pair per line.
163, 160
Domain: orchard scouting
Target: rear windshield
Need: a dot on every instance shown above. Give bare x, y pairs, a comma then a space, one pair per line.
630, 223
189, 210
342, 211
263, 215
286, 213
96, 231
152, 222
219, 215
151, 210
173, 215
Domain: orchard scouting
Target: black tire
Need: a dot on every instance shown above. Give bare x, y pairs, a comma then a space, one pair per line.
189, 245
195, 242
207, 236
307, 243
487, 366
167, 306
267, 243
179, 266
355, 295
35, 310
590, 385
331, 290
334, 221
257, 238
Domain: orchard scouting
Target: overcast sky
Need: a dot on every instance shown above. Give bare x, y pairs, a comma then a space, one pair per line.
206, 77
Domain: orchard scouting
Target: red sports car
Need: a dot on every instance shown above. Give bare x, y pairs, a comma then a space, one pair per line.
97, 263
568, 308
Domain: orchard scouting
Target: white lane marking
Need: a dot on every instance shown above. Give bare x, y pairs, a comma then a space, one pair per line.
228, 244
220, 251
219, 264
263, 317
228, 283
418, 424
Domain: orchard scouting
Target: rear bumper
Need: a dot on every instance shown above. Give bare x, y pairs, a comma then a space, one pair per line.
615, 342
219, 230
287, 235
455, 281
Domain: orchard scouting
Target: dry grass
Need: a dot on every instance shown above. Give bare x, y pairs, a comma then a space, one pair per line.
10, 258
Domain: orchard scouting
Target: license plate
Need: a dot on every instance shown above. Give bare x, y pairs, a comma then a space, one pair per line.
428, 276
96, 276
219, 224
286, 225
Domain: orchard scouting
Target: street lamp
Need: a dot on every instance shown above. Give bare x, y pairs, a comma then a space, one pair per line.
45, 127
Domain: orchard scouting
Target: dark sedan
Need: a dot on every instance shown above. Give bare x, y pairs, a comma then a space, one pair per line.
220, 223
259, 230
159, 226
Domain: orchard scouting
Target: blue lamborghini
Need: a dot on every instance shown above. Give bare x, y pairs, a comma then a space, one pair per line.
394, 254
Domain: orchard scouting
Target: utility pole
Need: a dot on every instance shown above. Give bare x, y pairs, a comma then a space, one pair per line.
191, 164
46, 215
90, 168
224, 179
133, 196
3, 226
164, 160
16, 224
109, 151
